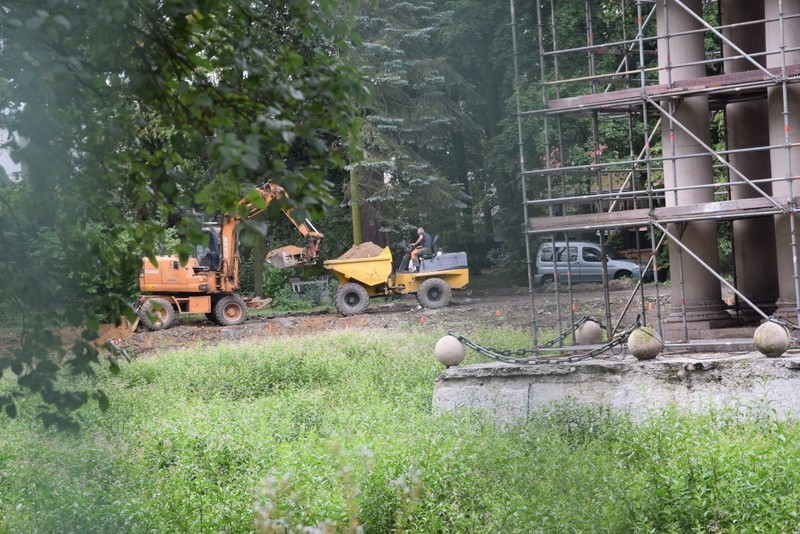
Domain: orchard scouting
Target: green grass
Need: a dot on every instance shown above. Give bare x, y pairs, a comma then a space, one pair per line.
337, 430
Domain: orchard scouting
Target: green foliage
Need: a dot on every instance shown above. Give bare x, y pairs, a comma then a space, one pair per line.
276, 285
725, 247
136, 116
285, 300
276, 280
336, 431
415, 132
510, 257
478, 42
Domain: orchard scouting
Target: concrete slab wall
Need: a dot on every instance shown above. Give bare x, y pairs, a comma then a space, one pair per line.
512, 392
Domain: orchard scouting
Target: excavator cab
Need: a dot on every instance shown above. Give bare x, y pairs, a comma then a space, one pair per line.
208, 256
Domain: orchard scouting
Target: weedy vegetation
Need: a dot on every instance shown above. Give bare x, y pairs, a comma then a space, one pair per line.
335, 433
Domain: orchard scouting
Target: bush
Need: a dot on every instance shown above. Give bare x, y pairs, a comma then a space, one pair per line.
275, 279
276, 286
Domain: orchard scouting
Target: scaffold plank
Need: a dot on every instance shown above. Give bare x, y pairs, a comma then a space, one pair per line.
724, 210
732, 82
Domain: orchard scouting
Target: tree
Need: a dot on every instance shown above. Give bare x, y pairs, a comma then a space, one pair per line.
406, 177
136, 115
477, 42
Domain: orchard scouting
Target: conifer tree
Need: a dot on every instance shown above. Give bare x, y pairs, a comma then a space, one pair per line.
407, 176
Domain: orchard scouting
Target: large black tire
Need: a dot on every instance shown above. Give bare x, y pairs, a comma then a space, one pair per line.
156, 314
230, 310
434, 293
351, 299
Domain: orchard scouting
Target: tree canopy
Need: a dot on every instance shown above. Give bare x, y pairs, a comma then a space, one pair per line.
135, 115
139, 119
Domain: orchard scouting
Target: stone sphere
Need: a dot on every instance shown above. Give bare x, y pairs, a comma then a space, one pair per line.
772, 339
589, 333
449, 351
645, 343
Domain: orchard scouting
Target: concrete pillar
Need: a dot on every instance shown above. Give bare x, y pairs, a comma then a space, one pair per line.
785, 163
747, 126
703, 297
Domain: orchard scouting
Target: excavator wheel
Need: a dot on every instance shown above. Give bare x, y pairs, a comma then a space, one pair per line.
434, 293
156, 314
230, 310
351, 299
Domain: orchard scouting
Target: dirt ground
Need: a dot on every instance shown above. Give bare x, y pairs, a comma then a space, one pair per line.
468, 312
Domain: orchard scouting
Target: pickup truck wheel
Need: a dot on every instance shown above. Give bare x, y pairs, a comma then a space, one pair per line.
547, 280
230, 310
351, 299
619, 275
156, 314
434, 293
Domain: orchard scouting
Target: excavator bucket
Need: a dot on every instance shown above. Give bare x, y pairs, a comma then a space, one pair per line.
257, 303
288, 256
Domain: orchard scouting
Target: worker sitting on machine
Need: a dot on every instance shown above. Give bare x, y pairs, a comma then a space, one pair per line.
423, 245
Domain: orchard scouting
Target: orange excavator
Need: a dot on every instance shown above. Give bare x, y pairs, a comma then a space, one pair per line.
208, 282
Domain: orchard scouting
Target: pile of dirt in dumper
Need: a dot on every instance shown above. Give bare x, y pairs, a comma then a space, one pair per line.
364, 250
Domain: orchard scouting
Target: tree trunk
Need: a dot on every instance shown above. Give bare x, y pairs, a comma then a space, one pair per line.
259, 251
492, 95
488, 221
494, 115
462, 175
355, 207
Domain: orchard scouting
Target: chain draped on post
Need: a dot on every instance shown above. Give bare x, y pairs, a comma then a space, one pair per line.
568, 332
527, 356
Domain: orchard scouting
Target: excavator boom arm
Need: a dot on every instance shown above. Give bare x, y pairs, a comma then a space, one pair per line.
287, 256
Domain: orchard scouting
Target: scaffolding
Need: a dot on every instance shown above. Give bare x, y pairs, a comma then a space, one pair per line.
599, 166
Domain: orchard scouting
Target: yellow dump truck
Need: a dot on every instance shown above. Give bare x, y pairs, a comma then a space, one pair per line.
369, 274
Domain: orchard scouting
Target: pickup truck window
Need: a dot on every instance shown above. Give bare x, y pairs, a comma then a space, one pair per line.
591, 254
573, 254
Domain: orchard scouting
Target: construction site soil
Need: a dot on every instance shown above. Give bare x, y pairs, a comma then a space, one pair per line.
469, 312
364, 250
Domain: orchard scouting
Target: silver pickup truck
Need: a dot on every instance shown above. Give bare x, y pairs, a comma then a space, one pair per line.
583, 263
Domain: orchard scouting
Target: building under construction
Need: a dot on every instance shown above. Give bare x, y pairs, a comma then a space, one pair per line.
667, 127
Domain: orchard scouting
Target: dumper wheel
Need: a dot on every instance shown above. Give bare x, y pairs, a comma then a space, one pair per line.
156, 314
230, 310
351, 299
434, 293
